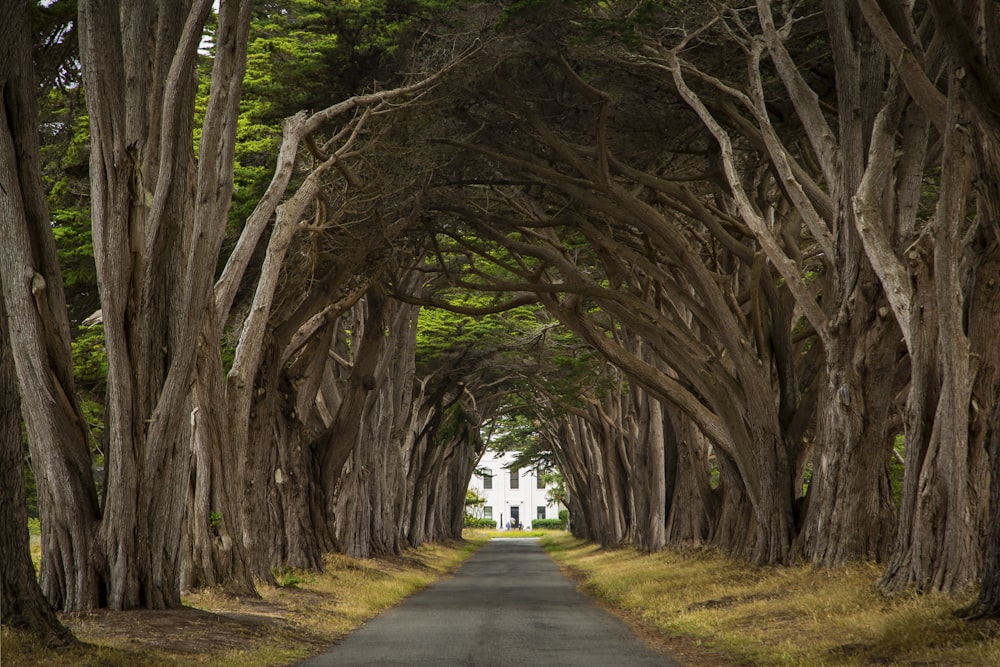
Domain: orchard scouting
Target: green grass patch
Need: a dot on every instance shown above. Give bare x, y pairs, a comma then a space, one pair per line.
702, 602
489, 534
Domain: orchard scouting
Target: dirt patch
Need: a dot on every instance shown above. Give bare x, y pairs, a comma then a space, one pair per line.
185, 631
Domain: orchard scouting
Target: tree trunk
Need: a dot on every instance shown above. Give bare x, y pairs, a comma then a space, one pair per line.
158, 223
291, 532
851, 513
38, 325
988, 602
937, 543
342, 440
568, 453
24, 606
648, 483
212, 552
693, 510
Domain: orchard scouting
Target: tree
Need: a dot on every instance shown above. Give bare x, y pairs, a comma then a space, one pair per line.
579, 198
159, 217
24, 606
933, 266
39, 340
474, 504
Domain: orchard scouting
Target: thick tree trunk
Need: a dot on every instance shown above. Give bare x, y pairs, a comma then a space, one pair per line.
693, 511
648, 483
283, 525
595, 487
735, 533
212, 552
38, 328
988, 602
344, 456
850, 511
158, 225
937, 543
24, 606
851, 514
368, 515
568, 455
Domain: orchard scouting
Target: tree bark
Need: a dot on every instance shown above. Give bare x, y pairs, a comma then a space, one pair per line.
988, 602
158, 222
936, 545
693, 510
38, 327
24, 606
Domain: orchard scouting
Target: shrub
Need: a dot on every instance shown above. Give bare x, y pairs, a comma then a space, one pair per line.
548, 524
475, 522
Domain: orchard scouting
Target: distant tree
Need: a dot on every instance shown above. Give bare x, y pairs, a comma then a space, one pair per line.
474, 503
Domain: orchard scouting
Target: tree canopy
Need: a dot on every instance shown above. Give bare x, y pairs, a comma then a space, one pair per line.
720, 264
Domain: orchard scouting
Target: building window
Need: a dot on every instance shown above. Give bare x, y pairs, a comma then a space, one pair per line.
488, 512
487, 481
514, 479
541, 512
539, 482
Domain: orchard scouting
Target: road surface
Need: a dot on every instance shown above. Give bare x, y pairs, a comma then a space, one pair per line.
507, 605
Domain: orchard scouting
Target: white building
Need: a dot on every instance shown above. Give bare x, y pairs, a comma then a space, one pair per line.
515, 495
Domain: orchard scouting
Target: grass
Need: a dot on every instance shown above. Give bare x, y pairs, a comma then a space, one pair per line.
302, 616
705, 608
489, 534
711, 610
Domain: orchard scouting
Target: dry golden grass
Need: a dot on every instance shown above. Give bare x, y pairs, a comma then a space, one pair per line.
486, 534
714, 611
307, 613
708, 609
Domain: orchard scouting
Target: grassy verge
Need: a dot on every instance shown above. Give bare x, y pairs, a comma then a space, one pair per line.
305, 614
710, 610
489, 534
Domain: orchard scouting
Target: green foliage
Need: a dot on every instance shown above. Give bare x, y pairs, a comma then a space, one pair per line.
309, 54
65, 139
291, 578
475, 522
90, 372
515, 432
473, 498
443, 332
548, 524
555, 485
90, 357
474, 504
34, 526
457, 425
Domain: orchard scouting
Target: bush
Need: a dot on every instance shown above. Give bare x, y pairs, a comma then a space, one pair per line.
548, 524
474, 522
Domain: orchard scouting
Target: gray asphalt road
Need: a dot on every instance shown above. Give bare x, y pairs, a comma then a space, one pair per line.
507, 605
